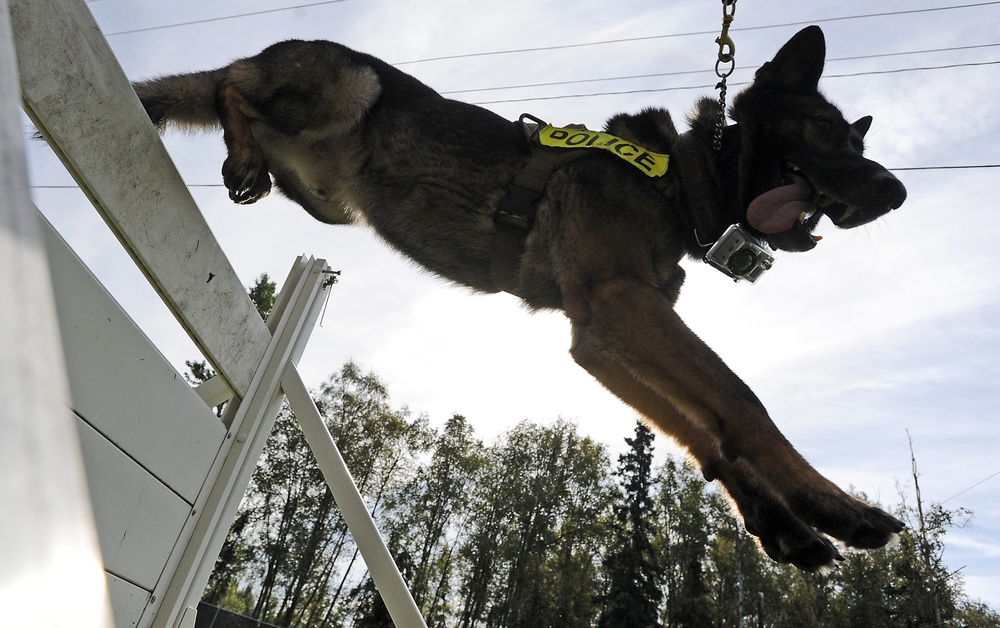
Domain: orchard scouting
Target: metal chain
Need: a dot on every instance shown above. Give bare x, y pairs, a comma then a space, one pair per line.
727, 56
720, 124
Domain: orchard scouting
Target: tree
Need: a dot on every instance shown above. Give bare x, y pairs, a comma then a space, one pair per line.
532, 555
633, 574
685, 509
532, 531
737, 575
301, 569
429, 514
262, 294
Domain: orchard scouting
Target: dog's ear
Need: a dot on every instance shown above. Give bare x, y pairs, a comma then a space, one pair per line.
799, 63
861, 125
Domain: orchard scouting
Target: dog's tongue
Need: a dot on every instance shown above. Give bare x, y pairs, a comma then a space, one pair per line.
778, 210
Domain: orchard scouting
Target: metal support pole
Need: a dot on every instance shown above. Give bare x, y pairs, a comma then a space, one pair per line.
388, 581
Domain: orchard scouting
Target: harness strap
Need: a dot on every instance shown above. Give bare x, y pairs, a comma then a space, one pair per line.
516, 211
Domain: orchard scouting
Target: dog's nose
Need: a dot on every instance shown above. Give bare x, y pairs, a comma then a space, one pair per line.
891, 189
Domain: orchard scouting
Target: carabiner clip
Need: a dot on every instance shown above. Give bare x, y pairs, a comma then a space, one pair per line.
727, 48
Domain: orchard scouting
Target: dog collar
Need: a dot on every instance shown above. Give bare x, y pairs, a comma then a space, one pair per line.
731, 248
698, 187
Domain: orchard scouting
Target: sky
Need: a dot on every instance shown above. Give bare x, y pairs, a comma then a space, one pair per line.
881, 335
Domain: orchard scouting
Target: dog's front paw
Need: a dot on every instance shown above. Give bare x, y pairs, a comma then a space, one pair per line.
809, 552
246, 178
877, 529
787, 539
783, 534
848, 519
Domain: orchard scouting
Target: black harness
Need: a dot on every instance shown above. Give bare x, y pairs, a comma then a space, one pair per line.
515, 213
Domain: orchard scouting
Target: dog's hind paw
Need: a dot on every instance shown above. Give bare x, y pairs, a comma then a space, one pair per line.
246, 179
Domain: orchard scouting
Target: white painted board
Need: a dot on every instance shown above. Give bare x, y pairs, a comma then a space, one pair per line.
138, 519
123, 386
128, 602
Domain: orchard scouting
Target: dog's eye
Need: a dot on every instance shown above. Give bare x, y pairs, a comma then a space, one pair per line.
824, 126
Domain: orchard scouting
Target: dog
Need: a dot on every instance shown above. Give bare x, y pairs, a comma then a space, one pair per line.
354, 140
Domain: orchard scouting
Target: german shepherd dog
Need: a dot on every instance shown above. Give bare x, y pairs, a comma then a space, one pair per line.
352, 139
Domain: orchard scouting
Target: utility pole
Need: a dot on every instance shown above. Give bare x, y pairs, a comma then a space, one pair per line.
741, 621
925, 548
760, 609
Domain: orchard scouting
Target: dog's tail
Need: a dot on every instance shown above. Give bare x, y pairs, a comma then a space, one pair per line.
186, 101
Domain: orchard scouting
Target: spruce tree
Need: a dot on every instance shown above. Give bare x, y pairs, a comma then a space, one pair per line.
633, 595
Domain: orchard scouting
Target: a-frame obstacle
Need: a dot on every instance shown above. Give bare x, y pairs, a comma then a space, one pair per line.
165, 475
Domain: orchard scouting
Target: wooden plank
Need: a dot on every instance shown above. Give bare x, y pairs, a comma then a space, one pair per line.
47, 540
76, 93
138, 518
128, 602
123, 386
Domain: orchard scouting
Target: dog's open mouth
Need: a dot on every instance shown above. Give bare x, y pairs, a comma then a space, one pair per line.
784, 207
796, 205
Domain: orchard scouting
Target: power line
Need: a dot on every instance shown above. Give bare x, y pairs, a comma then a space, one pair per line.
918, 69
692, 34
989, 477
219, 19
595, 94
969, 167
562, 46
906, 169
913, 52
710, 86
703, 71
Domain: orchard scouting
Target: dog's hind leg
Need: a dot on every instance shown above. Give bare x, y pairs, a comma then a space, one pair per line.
186, 101
634, 326
245, 171
273, 107
204, 100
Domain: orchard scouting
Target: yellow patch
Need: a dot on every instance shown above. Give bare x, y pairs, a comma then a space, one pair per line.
651, 164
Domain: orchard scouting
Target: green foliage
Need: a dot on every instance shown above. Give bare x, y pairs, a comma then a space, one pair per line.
428, 511
633, 573
263, 293
532, 551
535, 530
687, 511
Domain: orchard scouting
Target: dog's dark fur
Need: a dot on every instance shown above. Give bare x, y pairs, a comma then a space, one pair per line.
352, 139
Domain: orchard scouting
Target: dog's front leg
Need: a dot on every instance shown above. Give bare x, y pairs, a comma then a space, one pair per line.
782, 535
245, 170
626, 330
